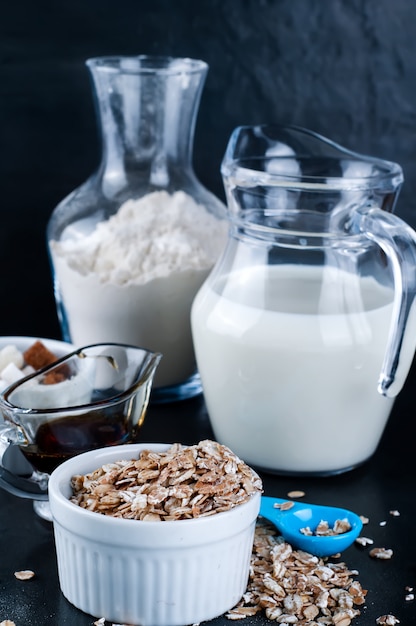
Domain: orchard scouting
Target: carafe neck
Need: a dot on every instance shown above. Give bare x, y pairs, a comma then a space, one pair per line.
147, 108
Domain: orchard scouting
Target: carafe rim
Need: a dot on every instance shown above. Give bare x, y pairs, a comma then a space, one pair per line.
146, 64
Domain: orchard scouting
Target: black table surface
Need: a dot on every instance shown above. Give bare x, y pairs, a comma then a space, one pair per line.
383, 484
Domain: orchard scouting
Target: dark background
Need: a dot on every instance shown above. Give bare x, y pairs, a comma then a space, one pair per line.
344, 68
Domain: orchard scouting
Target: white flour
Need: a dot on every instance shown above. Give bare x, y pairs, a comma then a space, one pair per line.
147, 238
133, 279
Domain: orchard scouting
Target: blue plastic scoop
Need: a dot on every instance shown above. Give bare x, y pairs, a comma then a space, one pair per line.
290, 521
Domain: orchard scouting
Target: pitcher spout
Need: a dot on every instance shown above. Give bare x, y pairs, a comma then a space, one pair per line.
261, 160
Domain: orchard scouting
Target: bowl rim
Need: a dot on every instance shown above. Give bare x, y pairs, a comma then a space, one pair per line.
21, 340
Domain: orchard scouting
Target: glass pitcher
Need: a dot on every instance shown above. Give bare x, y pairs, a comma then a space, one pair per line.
305, 330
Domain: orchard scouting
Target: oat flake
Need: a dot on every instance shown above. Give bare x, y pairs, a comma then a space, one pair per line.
25, 574
296, 494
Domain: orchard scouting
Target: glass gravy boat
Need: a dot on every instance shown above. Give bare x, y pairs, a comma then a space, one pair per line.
94, 397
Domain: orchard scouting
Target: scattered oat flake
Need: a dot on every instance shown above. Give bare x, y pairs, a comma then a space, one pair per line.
7, 622
364, 541
100, 622
381, 553
284, 506
383, 523
409, 597
294, 587
389, 620
364, 519
395, 513
407, 588
296, 494
24, 574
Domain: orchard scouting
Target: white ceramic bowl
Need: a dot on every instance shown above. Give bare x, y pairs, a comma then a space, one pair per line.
148, 573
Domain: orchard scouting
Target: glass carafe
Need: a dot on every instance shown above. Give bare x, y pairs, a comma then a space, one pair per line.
305, 330
131, 246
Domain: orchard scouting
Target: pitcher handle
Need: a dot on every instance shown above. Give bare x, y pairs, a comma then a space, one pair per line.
398, 241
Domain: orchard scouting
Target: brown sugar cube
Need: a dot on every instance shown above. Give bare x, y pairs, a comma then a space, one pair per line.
39, 356
56, 376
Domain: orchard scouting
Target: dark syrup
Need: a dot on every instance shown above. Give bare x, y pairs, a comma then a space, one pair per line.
58, 440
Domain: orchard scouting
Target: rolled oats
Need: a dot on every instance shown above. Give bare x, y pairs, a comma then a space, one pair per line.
296, 494
324, 529
284, 506
364, 541
25, 574
381, 553
184, 482
289, 586
389, 620
295, 587
341, 619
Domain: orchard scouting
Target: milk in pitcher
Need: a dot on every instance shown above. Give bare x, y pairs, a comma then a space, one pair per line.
291, 360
